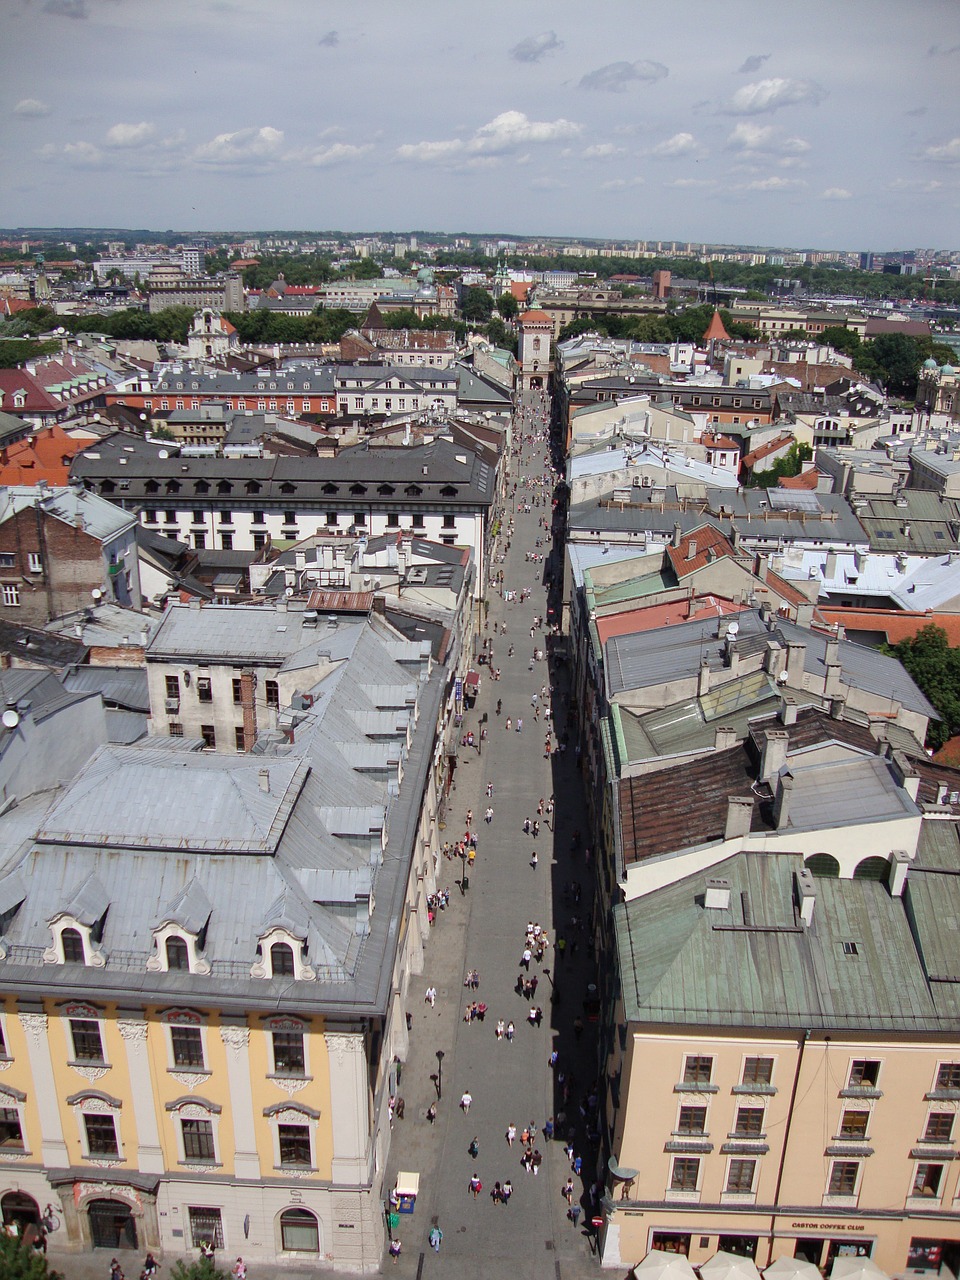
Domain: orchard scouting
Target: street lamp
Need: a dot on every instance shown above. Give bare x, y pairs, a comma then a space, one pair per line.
463, 873
439, 1074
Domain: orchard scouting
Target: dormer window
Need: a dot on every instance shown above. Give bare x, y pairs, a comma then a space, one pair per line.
281, 960
180, 932
281, 953
178, 956
72, 944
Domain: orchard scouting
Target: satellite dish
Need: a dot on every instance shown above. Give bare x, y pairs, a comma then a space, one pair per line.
10, 718
733, 629
96, 593
288, 592
164, 453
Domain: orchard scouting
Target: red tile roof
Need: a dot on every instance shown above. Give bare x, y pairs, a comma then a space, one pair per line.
716, 331
652, 617
765, 450
805, 480
704, 539
535, 317
44, 456
896, 625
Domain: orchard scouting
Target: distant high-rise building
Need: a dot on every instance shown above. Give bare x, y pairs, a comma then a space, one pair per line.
866, 262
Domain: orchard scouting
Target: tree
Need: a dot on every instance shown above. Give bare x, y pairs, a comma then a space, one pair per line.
842, 339
20, 1261
791, 464
477, 304
201, 1269
892, 359
508, 306
500, 335
935, 666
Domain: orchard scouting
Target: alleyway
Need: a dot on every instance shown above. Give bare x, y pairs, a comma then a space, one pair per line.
484, 929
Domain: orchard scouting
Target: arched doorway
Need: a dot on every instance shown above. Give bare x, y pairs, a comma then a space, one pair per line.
871, 869
112, 1225
19, 1210
299, 1231
823, 864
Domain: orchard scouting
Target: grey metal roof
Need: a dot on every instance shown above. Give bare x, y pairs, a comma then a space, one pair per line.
71, 505
682, 963
124, 687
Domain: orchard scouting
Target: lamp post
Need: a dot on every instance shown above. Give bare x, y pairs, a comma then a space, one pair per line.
439, 1074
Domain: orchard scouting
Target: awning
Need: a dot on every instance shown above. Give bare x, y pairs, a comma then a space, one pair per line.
472, 678
408, 1184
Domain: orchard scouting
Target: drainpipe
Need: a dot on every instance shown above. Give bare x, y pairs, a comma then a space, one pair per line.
786, 1139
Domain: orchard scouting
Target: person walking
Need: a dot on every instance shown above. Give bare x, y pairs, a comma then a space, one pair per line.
395, 1250
239, 1271
507, 1191
535, 1160
476, 1186
474, 1148
511, 1029
511, 1134
567, 1191
465, 1101
431, 997
435, 1238
432, 1112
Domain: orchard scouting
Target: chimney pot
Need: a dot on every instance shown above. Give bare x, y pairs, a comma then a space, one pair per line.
264, 776
725, 736
739, 817
781, 808
806, 895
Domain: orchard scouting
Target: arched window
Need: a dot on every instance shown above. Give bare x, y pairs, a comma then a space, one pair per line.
823, 864
871, 869
178, 957
281, 960
72, 947
299, 1231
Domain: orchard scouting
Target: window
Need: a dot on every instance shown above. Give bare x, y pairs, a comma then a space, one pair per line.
927, 1179
288, 1054
204, 689
258, 518
843, 1178
177, 955
359, 517
692, 1120
176, 729
199, 541
757, 1071
226, 542
281, 960
11, 1133
226, 517
87, 1044
939, 1127
449, 522
697, 1070
237, 691
206, 1226
299, 1232
294, 1144
172, 686
393, 520
272, 693
7, 560
259, 541
209, 735
289, 517
72, 944
331, 517
101, 1135
36, 562
853, 1124
749, 1123
948, 1075
864, 1074
740, 1176
11, 594
685, 1173
418, 522
187, 1045
197, 1140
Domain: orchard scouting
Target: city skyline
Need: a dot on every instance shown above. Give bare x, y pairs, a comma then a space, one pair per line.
625, 123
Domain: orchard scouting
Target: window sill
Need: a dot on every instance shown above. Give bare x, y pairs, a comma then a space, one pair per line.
199, 1161
942, 1095
294, 1168
839, 1202
189, 1071
682, 1197
86, 1063
290, 1075
862, 1091
768, 1090
923, 1202
691, 1086
738, 1197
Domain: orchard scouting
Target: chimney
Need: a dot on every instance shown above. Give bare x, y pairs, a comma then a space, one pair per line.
942, 792
677, 534
899, 870
788, 709
703, 680
907, 776
781, 806
837, 704
723, 626
830, 566
248, 704
692, 549
774, 753
264, 777
724, 737
831, 653
765, 611
739, 816
717, 895
804, 615
760, 565
796, 654
380, 605
731, 656
832, 682
806, 895
774, 659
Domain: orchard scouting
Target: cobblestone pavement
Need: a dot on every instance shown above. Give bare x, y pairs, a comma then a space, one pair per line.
483, 928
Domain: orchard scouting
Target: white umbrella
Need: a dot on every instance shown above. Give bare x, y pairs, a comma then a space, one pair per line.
660, 1265
791, 1269
856, 1269
729, 1266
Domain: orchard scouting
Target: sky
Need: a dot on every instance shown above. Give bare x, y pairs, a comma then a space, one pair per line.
821, 124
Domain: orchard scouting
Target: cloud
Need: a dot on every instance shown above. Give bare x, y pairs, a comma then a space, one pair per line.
430, 152
512, 129
330, 40
770, 95
130, 135
337, 153
762, 139
693, 182
775, 184
947, 151
917, 111
617, 76
66, 8
681, 144
936, 52
601, 151
241, 147
536, 47
621, 184
753, 63
81, 155
31, 108
548, 184
836, 193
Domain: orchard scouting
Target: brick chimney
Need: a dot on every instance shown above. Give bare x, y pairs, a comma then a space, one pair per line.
248, 703
739, 816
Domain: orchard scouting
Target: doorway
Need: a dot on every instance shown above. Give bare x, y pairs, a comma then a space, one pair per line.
112, 1225
19, 1210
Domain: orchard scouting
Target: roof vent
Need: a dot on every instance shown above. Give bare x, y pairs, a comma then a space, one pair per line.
717, 896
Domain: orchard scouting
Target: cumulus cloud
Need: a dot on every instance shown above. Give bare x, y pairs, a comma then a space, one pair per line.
82, 155
946, 151
615, 77
621, 184
917, 111
66, 8
241, 147
935, 51
770, 95
916, 186
330, 40
601, 150
681, 144
692, 182
536, 47
763, 139
31, 108
337, 153
548, 184
775, 184
506, 133
130, 135
753, 63
836, 193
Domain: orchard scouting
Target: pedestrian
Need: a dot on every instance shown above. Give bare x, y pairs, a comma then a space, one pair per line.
520, 725
465, 1101
474, 1148
534, 983
526, 826
116, 1272
567, 1191
476, 1186
395, 1250
536, 829
150, 1267
511, 1029
527, 1159
577, 1027
573, 1213
511, 1134
496, 1195
469, 819
488, 815
508, 724
397, 1110
526, 958
534, 859
535, 1161
548, 1129
577, 1165
435, 1237
500, 1029
432, 1112
507, 1191
431, 997
239, 1271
